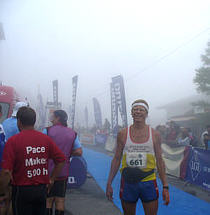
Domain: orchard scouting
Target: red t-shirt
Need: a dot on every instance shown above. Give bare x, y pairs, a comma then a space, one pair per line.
26, 155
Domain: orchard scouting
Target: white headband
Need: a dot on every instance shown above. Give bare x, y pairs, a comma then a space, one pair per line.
142, 104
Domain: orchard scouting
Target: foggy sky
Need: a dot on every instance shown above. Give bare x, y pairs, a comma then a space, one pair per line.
154, 45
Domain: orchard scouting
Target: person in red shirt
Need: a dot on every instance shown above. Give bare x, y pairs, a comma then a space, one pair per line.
25, 160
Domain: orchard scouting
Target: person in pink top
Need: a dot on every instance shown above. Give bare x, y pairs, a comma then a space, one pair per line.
25, 161
67, 141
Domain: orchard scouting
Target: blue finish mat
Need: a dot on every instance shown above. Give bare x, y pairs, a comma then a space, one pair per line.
181, 203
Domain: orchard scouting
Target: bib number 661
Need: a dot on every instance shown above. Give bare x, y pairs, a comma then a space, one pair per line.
135, 162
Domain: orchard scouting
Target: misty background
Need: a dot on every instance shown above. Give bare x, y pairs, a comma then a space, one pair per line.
154, 45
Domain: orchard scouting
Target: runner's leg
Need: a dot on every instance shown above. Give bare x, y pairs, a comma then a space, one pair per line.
49, 205
128, 208
60, 203
150, 208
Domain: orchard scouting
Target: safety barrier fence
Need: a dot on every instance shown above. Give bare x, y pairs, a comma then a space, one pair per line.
188, 163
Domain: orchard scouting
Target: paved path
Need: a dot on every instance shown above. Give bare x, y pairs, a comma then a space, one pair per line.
89, 199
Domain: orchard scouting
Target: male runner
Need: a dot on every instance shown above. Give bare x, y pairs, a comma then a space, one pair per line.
139, 147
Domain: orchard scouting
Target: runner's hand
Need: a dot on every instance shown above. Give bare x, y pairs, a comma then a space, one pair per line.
166, 197
49, 186
109, 192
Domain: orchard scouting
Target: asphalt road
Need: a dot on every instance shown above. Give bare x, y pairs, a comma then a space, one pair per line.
89, 199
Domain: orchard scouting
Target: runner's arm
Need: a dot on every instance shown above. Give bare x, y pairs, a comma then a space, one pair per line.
159, 160
5, 177
161, 166
115, 163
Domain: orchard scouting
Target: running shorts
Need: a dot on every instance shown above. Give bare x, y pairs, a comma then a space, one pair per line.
58, 189
147, 191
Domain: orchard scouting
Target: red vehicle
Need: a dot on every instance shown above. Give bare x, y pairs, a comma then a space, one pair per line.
8, 98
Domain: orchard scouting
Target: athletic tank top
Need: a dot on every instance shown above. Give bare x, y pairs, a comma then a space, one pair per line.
139, 155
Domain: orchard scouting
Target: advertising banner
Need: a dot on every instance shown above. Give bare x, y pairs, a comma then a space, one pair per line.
114, 111
100, 139
41, 112
87, 139
119, 92
86, 117
173, 157
198, 171
55, 93
74, 93
97, 113
2, 36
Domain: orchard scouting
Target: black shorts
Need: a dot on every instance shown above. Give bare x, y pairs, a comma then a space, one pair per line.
58, 189
29, 200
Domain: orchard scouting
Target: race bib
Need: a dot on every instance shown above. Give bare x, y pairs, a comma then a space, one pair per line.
136, 159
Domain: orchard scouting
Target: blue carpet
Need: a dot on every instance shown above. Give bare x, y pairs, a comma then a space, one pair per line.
181, 203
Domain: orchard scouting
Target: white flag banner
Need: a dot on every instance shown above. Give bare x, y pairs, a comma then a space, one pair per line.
74, 93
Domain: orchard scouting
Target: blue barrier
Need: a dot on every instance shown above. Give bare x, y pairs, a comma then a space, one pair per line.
198, 168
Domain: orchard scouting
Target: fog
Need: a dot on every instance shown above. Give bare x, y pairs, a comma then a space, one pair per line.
154, 45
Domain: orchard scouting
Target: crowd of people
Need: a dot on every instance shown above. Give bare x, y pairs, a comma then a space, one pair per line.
173, 134
35, 165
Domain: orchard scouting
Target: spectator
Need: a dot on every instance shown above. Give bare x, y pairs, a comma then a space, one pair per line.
162, 130
172, 132
67, 140
10, 124
2, 138
4, 199
205, 138
25, 163
187, 138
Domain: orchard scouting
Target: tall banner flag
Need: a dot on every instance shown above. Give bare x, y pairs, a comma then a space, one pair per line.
52, 106
97, 113
119, 91
74, 93
114, 111
55, 93
86, 117
2, 36
41, 112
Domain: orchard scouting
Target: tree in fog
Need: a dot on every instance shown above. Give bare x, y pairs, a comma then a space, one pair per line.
202, 77
202, 80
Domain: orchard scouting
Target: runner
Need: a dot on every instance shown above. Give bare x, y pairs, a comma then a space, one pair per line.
25, 162
139, 148
68, 142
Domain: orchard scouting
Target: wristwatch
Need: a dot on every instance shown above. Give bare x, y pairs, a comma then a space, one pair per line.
166, 187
